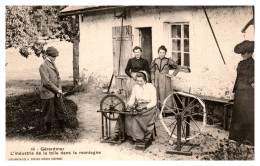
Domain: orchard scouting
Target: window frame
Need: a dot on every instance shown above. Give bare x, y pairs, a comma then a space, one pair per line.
182, 39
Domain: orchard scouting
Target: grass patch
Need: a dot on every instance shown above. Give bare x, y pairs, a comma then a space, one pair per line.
24, 118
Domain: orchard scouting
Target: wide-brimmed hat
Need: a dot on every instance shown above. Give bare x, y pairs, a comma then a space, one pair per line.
245, 46
52, 51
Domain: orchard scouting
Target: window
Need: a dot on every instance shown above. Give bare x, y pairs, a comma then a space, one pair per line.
180, 43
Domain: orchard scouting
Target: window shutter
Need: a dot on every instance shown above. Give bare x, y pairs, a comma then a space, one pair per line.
126, 48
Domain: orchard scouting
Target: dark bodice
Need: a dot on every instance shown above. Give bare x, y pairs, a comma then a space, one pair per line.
135, 65
245, 74
163, 65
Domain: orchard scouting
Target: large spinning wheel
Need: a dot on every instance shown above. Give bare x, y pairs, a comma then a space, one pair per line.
190, 109
111, 106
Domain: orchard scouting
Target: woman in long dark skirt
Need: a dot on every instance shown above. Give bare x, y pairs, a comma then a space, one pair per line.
242, 123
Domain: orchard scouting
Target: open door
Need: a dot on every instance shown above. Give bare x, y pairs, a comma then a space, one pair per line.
146, 43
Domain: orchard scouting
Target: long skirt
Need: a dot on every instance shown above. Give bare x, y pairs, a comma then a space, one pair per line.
163, 88
139, 127
242, 122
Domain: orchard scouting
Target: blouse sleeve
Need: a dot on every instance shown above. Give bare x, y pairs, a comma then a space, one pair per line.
152, 92
147, 68
172, 64
152, 70
251, 79
131, 101
235, 86
128, 67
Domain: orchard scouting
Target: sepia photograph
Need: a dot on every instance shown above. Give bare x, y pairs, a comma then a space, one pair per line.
130, 82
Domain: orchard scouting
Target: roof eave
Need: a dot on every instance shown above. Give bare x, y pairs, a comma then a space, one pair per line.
83, 11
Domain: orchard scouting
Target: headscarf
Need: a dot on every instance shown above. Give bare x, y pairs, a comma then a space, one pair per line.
145, 74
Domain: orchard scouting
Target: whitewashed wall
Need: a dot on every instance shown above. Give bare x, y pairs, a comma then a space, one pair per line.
209, 76
96, 47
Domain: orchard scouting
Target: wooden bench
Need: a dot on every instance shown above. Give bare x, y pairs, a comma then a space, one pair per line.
227, 106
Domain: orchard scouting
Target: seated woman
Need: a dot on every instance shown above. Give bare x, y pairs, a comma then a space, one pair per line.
143, 100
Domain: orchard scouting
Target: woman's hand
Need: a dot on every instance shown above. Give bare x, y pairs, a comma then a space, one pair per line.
140, 108
153, 81
169, 75
253, 85
133, 76
129, 109
188, 68
60, 94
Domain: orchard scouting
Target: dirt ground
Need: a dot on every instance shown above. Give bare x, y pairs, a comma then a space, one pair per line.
90, 135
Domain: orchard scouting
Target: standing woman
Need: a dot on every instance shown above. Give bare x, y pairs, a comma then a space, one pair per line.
135, 65
242, 123
160, 75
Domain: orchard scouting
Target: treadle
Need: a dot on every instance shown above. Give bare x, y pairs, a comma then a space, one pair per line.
110, 140
106, 140
118, 142
178, 150
143, 145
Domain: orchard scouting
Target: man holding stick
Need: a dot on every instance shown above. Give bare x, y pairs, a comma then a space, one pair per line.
50, 90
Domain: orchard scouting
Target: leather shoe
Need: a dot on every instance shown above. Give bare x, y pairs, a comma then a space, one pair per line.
115, 139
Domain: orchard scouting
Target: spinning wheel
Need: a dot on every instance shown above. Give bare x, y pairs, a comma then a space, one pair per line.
111, 106
190, 111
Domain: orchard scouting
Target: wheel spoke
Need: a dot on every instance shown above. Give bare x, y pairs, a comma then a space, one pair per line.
112, 101
176, 106
117, 103
172, 123
183, 133
194, 106
185, 110
193, 127
180, 100
194, 122
201, 114
106, 103
167, 107
173, 130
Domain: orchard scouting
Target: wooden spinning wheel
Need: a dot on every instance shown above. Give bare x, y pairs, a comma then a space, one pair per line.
111, 106
190, 109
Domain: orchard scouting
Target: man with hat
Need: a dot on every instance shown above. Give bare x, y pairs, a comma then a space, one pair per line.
242, 123
51, 90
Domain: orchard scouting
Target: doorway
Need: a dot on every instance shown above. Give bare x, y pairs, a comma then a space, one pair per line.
145, 35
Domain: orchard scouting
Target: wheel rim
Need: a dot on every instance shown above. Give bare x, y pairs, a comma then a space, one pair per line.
193, 115
114, 104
